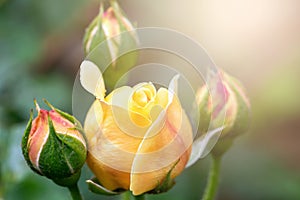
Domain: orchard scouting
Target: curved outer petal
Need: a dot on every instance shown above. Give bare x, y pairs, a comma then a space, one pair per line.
203, 145
157, 155
37, 137
91, 79
111, 151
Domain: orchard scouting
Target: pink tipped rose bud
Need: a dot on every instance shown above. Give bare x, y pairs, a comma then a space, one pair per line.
230, 109
54, 147
106, 25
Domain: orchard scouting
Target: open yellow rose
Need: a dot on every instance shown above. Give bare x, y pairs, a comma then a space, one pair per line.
135, 135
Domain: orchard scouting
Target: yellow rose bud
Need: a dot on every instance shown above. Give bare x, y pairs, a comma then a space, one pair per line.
136, 135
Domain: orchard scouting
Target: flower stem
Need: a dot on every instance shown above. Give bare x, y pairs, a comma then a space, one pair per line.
128, 196
213, 179
140, 197
75, 193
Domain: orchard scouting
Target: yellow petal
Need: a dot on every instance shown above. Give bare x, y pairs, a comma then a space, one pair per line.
111, 151
110, 178
158, 154
120, 97
129, 120
93, 121
162, 97
141, 102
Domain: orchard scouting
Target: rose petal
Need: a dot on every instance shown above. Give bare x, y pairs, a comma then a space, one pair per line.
91, 79
173, 87
93, 121
157, 154
203, 145
37, 137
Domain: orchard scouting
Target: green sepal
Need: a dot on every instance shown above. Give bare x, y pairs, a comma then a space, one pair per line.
95, 187
167, 184
99, 36
69, 181
242, 119
222, 146
67, 116
24, 144
76, 145
59, 160
205, 113
77, 124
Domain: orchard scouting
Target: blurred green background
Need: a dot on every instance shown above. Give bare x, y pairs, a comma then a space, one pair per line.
256, 41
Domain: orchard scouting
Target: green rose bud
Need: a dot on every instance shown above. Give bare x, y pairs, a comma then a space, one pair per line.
111, 27
232, 103
54, 147
106, 25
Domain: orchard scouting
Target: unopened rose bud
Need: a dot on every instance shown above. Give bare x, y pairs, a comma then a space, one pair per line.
118, 42
54, 147
106, 25
231, 109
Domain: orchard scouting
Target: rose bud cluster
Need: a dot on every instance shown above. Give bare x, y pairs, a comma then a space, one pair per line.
53, 146
139, 138
231, 109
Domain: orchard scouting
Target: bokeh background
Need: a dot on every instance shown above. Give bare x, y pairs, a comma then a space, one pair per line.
257, 41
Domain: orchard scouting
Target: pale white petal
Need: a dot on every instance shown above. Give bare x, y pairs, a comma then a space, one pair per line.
91, 79
203, 145
173, 87
120, 97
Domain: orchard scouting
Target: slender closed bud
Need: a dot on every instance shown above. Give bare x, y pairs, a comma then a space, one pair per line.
112, 36
231, 110
106, 25
53, 146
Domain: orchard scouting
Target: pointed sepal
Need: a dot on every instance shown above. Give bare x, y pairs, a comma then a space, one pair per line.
166, 184
95, 187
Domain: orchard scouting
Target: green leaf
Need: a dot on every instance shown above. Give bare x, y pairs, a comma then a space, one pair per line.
97, 188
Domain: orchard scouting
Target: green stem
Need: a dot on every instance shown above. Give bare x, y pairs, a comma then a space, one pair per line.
140, 197
213, 179
75, 193
128, 196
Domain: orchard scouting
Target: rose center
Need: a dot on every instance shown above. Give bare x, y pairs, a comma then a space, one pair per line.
141, 97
